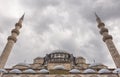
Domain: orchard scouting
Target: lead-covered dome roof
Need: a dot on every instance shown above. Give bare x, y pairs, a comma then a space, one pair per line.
60, 51
3, 71
59, 67
23, 64
104, 71
74, 71
15, 71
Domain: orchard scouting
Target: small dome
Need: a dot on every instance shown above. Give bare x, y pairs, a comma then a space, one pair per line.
29, 71
74, 71
43, 71
23, 64
95, 64
39, 58
116, 70
3, 71
15, 71
104, 71
89, 71
59, 67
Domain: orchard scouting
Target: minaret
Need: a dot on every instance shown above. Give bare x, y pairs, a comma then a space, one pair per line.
11, 40
108, 41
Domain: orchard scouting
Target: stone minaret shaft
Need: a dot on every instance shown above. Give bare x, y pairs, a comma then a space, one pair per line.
11, 40
108, 41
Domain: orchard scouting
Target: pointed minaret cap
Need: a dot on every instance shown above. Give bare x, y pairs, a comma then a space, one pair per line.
22, 17
98, 18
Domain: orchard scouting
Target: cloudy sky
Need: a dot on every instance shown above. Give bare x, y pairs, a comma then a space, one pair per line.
68, 25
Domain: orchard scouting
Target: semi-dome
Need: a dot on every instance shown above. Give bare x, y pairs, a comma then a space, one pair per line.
59, 67
15, 71
104, 71
89, 71
3, 71
44, 71
95, 64
116, 70
23, 64
74, 71
29, 71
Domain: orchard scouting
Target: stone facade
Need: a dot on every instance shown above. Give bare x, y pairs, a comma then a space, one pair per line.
55, 59
67, 66
62, 75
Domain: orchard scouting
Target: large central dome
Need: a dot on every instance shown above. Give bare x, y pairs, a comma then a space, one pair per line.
60, 51
59, 56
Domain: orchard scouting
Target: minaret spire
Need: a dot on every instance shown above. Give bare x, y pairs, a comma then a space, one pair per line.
108, 41
97, 18
11, 41
22, 17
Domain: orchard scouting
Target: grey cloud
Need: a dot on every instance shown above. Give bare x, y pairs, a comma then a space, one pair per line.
42, 25
80, 22
6, 23
106, 12
39, 3
86, 9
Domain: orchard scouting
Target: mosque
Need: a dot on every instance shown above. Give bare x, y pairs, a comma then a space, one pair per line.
60, 63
